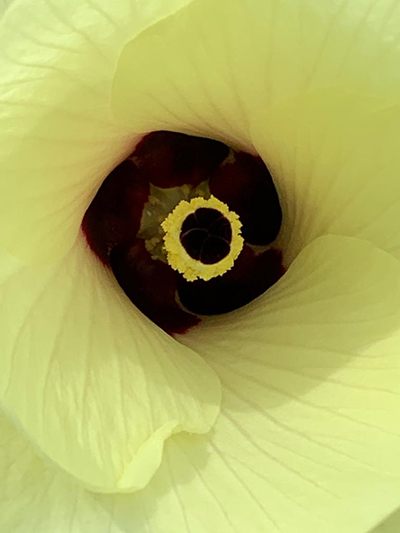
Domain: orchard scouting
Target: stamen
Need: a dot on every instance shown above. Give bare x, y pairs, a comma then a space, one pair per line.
202, 238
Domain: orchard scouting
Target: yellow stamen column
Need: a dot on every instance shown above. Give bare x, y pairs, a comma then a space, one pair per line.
177, 256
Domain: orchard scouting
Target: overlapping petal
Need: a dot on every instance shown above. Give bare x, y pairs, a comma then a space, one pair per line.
90, 380
4, 5
308, 439
36, 497
308, 432
336, 157
58, 139
85, 376
390, 524
312, 86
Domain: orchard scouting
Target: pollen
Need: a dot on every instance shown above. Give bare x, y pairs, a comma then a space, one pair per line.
202, 238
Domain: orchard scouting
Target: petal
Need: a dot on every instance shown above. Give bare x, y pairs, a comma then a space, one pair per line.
336, 163
390, 524
39, 498
9, 265
58, 138
4, 5
312, 86
308, 436
90, 380
307, 439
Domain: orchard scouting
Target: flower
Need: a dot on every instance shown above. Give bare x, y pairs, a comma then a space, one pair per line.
95, 398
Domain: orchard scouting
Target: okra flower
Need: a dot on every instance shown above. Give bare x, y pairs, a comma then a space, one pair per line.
281, 416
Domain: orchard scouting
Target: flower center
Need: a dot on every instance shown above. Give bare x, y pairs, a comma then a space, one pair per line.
206, 235
187, 226
202, 238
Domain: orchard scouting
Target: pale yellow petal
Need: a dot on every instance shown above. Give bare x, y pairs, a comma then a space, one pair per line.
58, 139
335, 155
9, 265
390, 525
36, 497
308, 436
312, 85
90, 380
4, 5
308, 440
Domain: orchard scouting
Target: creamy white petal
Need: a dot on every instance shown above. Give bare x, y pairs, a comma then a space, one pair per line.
312, 85
91, 381
58, 139
308, 435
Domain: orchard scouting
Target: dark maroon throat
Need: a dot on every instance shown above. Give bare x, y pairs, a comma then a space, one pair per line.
165, 160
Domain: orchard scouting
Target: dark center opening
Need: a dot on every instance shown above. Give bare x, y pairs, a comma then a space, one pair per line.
168, 160
206, 235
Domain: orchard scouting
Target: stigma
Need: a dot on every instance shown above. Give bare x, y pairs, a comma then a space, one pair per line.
202, 238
